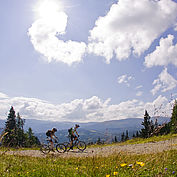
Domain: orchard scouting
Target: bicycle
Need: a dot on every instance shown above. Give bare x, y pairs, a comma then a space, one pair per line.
81, 145
46, 147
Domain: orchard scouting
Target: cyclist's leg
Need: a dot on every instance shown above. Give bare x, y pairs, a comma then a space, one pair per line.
71, 143
51, 143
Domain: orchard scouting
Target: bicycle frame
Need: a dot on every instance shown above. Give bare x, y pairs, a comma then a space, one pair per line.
81, 145
46, 147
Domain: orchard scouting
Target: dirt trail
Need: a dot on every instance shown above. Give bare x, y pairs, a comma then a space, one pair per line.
107, 150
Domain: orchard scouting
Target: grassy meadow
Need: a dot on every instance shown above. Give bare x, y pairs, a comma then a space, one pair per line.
122, 164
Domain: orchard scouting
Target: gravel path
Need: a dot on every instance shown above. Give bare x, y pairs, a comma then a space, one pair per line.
145, 148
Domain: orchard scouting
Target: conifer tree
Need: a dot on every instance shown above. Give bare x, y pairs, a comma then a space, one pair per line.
173, 121
126, 135
123, 137
99, 141
115, 139
14, 132
31, 140
148, 126
137, 134
20, 131
10, 128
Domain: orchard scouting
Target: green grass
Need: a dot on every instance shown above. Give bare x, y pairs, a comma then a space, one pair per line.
162, 164
151, 139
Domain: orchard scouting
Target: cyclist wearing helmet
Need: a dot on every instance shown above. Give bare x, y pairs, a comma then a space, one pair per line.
72, 135
51, 135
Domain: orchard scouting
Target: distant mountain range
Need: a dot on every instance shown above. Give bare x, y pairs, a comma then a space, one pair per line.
90, 131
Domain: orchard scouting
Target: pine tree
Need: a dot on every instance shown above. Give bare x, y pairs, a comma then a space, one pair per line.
115, 139
126, 135
98, 141
20, 131
137, 134
31, 139
123, 137
10, 139
148, 126
14, 132
173, 121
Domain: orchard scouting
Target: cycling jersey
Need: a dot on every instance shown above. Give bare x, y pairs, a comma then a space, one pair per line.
72, 130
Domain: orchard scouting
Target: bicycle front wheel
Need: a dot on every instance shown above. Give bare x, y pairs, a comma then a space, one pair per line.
45, 149
81, 145
67, 145
61, 148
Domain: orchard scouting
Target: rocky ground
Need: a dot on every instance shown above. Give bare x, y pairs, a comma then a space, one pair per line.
152, 147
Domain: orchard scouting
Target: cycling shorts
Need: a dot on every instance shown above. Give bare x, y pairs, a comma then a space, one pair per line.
73, 137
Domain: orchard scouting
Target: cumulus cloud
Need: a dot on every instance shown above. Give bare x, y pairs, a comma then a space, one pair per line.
124, 79
139, 93
165, 53
80, 110
175, 28
138, 87
131, 26
2, 95
164, 82
46, 31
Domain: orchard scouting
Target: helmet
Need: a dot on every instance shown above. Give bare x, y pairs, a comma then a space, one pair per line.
54, 129
76, 125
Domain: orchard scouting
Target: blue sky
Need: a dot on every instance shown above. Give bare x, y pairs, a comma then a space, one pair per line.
64, 60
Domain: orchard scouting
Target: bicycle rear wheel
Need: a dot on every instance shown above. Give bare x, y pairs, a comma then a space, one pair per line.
45, 148
61, 148
81, 145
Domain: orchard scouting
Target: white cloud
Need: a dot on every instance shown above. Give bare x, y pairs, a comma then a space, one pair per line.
91, 109
45, 32
164, 82
139, 93
139, 86
165, 53
175, 28
124, 79
2, 95
130, 27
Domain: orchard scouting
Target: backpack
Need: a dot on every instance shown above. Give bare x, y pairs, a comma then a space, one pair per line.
70, 130
48, 133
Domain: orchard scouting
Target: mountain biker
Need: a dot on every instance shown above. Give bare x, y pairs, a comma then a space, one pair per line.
51, 135
72, 135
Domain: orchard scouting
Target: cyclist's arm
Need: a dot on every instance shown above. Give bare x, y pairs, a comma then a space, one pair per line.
77, 133
56, 138
53, 137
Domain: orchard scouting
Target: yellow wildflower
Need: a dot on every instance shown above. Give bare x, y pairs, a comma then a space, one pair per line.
76, 168
107, 175
123, 164
140, 163
115, 173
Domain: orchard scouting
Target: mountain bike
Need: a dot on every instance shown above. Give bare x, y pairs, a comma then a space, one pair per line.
46, 147
81, 145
